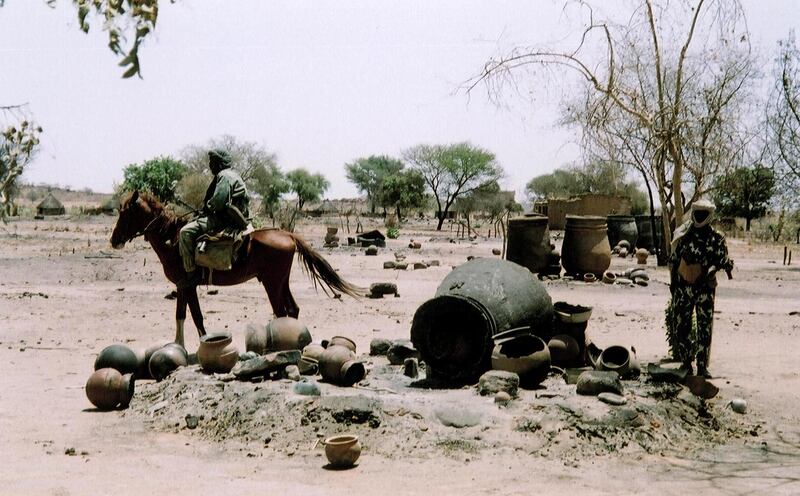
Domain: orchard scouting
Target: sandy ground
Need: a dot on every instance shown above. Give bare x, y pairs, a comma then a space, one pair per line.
58, 308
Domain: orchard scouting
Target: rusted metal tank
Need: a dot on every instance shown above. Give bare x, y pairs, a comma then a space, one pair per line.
622, 227
585, 248
453, 331
529, 242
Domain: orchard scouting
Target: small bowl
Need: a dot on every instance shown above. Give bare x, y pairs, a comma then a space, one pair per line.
572, 314
589, 277
342, 451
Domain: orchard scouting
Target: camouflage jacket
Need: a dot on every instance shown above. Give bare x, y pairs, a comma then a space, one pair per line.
226, 189
705, 246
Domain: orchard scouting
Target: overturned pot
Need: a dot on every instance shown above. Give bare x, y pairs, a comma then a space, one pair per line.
620, 360
166, 359
338, 365
107, 389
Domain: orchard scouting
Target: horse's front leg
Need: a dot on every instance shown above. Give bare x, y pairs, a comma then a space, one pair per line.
180, 317
194, 308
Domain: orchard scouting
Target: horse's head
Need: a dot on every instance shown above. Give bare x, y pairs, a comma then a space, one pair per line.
136, 212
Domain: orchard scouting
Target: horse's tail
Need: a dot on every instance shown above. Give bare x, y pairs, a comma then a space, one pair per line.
321, 271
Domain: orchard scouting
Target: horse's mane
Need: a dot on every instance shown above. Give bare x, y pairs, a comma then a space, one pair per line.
171, 223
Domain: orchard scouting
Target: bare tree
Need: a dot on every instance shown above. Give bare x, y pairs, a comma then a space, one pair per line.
783, 118
665, 97
19, 139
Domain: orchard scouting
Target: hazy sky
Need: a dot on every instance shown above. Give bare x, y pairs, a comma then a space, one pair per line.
318, 83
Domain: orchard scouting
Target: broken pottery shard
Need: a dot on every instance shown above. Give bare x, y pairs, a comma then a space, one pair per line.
612, 399
400, 350
701, 387
594, 382
494, 381
265, 364
457, 416
379, 346
663, 374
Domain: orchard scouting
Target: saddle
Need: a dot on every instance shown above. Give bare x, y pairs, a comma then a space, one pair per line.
219, 251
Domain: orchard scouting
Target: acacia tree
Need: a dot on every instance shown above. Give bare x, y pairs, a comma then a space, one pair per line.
403, 190
745, 192
19, 141
249, 158
158, 176
306, 186
368, 175
665, 96
453, 170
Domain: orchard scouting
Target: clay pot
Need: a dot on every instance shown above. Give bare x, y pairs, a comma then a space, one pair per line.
571, 314
143, 369
528, 242
313, 351
216, 353
589, 277
338, 365
641, 256
343, 341
609, 277
564, 350
255, 339
287, 333
308, 366
342, 451
585, 248
107, 389
119, 357
166, 359
618, 359
525, 354
644, 227
622, 228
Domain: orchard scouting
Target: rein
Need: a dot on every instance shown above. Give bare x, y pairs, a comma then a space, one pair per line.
149, 225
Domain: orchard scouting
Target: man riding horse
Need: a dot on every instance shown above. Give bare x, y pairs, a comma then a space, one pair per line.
225, 206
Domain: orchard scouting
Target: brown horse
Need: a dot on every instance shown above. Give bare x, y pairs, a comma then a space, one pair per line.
269, 256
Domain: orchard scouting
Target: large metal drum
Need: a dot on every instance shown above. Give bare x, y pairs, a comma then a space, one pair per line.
453, 330
585, 248
529, 242
645, 239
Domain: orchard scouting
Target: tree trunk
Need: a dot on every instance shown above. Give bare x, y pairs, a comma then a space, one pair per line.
747, 224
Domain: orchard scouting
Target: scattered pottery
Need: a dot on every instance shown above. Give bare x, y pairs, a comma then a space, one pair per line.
564, 349
338, 365
118, 357
107, 389
589, 277
641, 256
609, 277
287, 333
342, 451
264, 365
526, 355
166, 359
216, 353
343, 341
618, 359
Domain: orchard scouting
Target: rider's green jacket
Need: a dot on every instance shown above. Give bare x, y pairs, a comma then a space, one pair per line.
226, 189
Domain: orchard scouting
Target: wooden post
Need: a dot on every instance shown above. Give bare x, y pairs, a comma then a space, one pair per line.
785, 249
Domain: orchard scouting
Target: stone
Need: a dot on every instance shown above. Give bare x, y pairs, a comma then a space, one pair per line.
306, 387
389, 265
247, 355
400, 350
415, 245
265, 364
371, 251
379, 346
292, 372
192, 421
379, 289
663, 374
612, 399
739, 405
434, 263
496, 251
501, 398
411, 367
420, 265
494, 381
401, 266
594, 382
457, 416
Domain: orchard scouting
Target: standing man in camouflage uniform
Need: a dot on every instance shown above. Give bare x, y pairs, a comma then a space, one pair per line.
225, 205
698, 252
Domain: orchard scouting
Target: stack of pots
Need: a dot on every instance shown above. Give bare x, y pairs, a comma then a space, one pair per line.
453, 331
622, 227
572, 321
529, 243
586, 248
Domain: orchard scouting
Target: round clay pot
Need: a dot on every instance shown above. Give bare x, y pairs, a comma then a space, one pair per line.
618, 359
342, 451
255, 339
107, 389
216, 353
287, 333
641, 256
343, 341
609, 277
313, 351
308, 366
564, 350
143, 370
119, 357
167, 359
585, 248
338, 365
526, 355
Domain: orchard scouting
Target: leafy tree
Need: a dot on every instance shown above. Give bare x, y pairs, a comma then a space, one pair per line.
368, 174
271, 184
745, 192
561, 183
306, 186
18, 143
191, 189
453, 170
403, 190
158, 176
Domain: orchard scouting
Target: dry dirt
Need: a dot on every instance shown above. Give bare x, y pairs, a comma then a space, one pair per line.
62, 300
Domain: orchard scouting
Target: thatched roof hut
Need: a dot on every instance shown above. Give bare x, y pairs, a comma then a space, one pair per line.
50, 206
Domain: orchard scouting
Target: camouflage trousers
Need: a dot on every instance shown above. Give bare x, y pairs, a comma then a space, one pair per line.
688, 302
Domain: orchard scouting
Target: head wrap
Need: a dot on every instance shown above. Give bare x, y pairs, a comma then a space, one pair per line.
222, 157
702, 207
